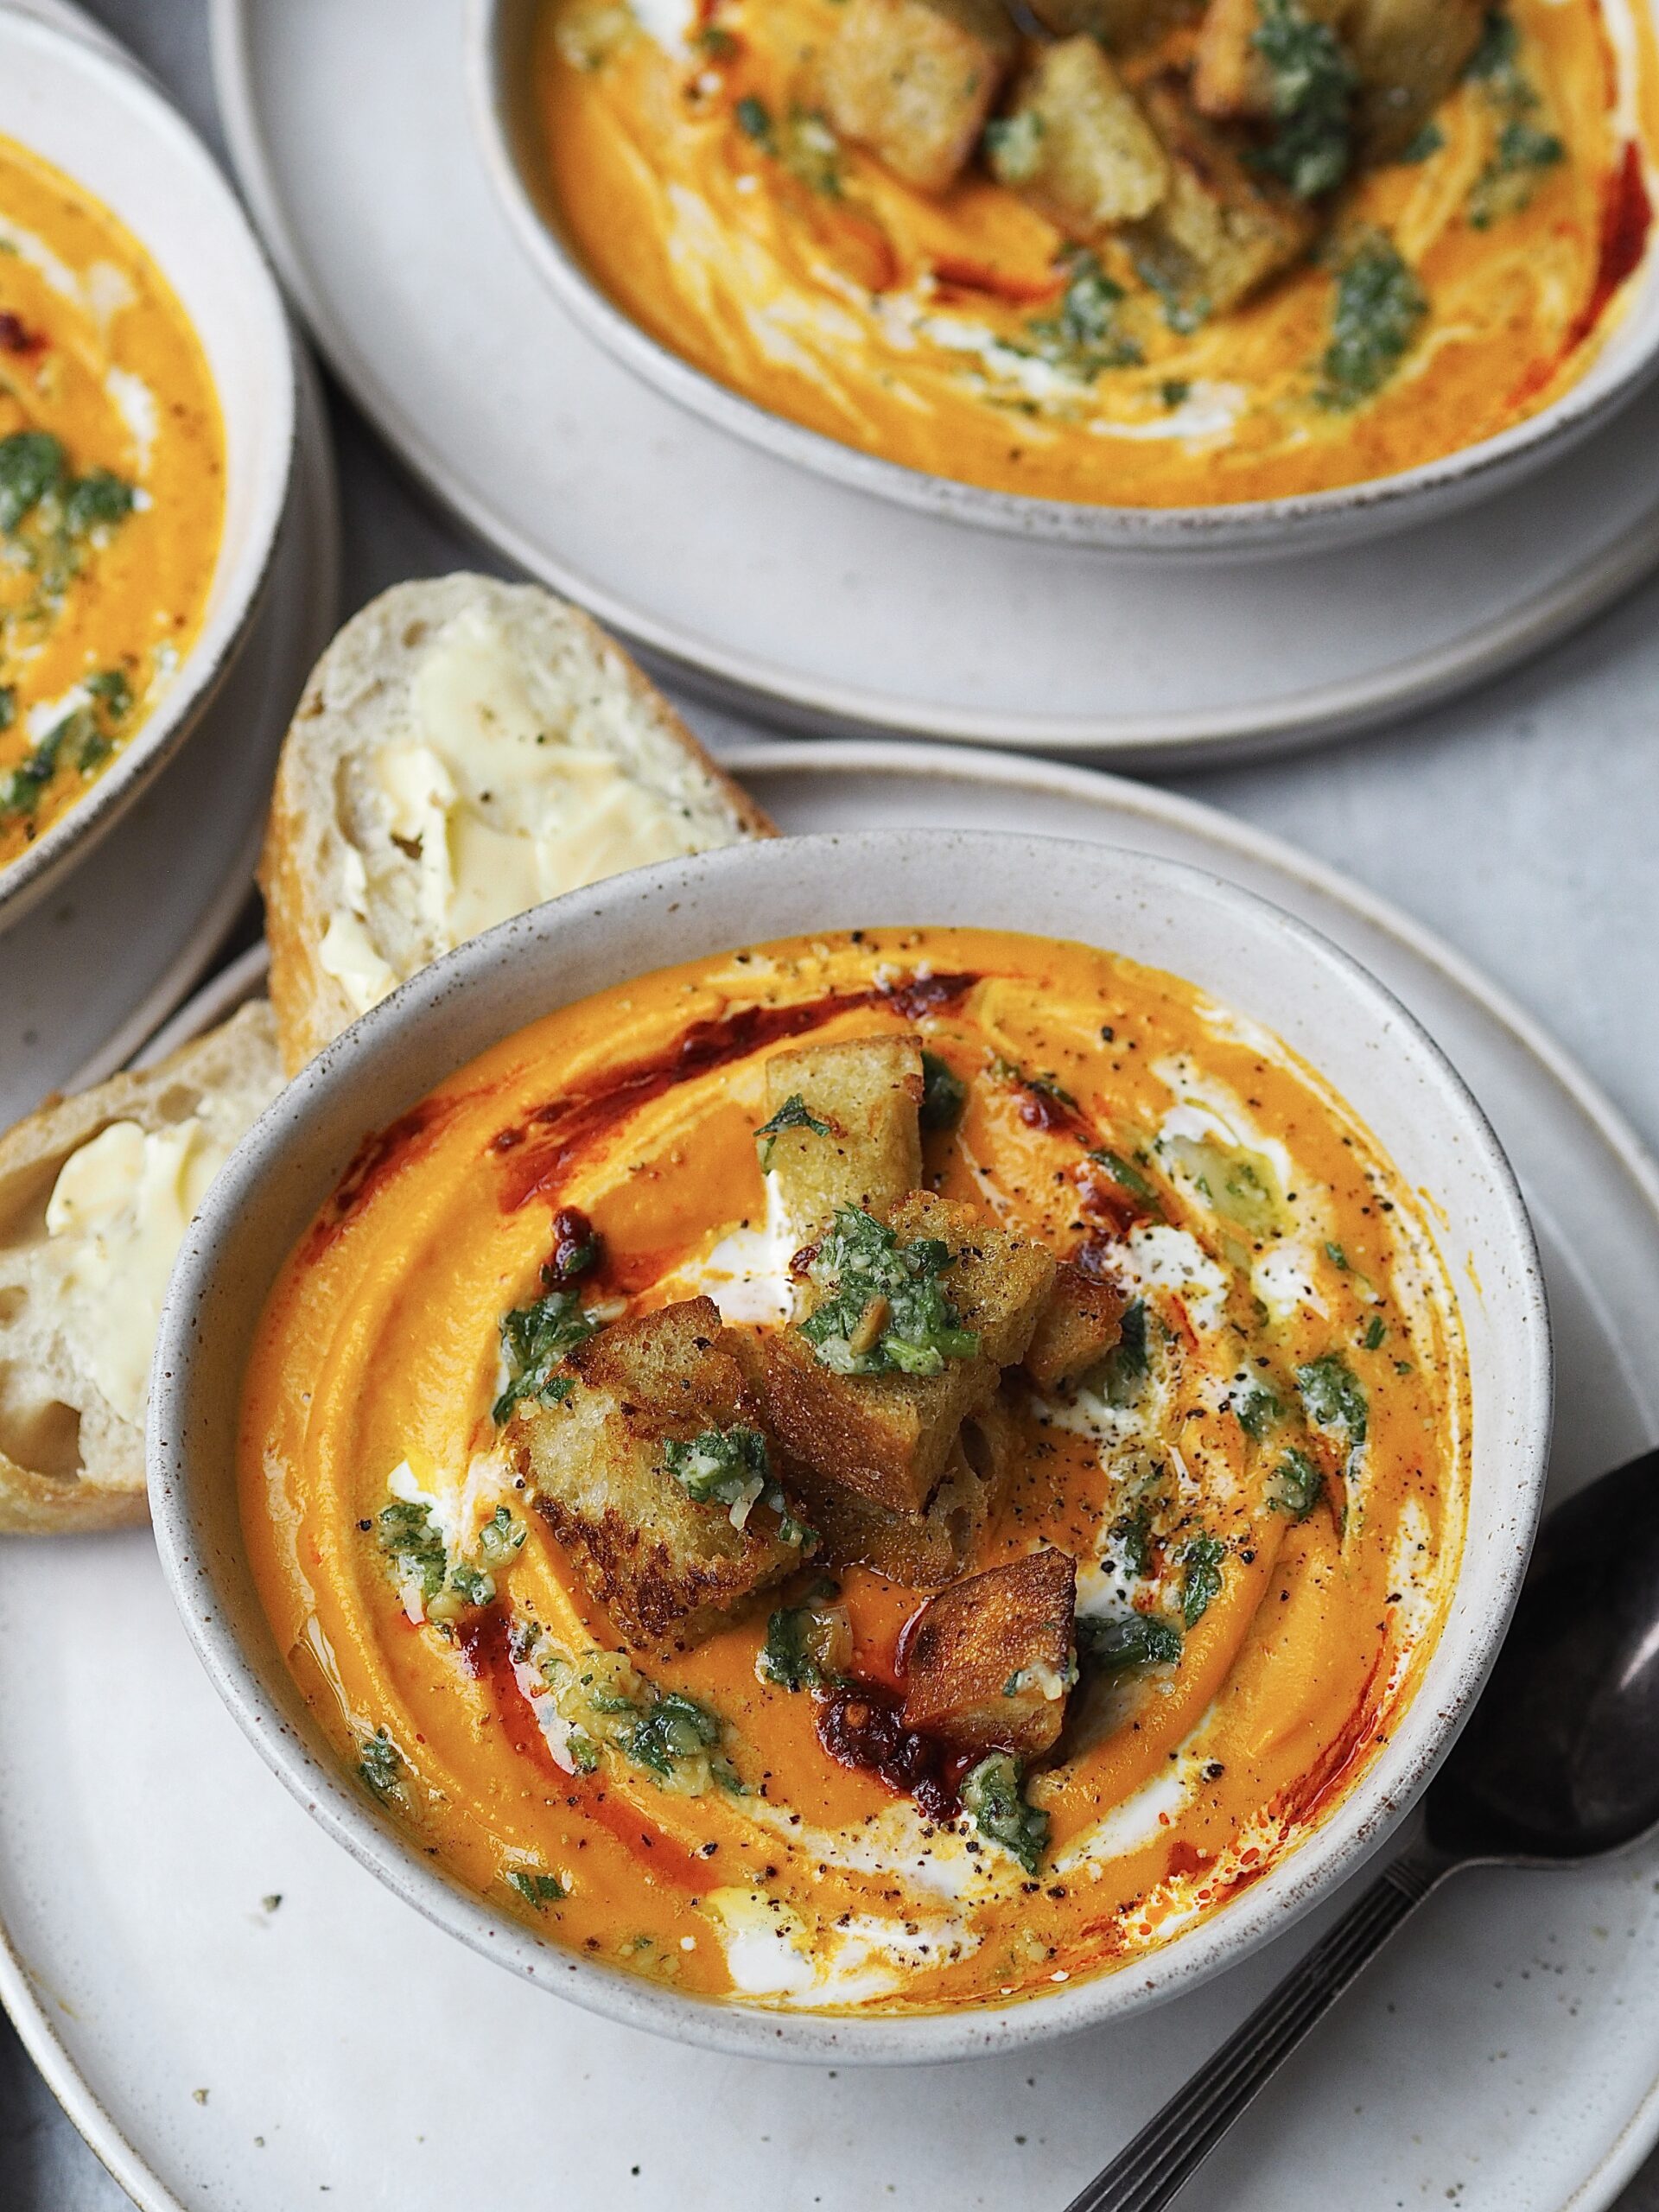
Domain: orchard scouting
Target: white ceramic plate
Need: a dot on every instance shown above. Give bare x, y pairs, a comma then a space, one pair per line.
104, 124
113, 949
343, 2044
501, 45
814, 603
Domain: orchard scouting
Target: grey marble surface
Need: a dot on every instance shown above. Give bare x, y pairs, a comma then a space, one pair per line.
1521, 823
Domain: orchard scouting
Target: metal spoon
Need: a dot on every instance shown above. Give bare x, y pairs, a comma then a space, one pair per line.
1555, 1765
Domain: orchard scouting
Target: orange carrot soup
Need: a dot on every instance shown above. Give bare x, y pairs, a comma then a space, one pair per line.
1162, 255
879, 1474
112, 491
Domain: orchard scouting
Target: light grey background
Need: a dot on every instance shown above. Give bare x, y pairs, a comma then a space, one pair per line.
1523, 824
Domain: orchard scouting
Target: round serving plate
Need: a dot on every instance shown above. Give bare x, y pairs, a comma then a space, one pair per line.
501, 67
81, 106
113, 949
810, 602
235, 2014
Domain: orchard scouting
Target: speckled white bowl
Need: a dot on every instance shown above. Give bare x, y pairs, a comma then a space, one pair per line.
1243, 951
95, 117
499, 45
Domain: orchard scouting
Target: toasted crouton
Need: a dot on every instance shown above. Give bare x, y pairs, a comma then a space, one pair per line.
1082, 1321
1078, 146
1219, 233
1230, 76
922, 1551
889, 1436
1409, 54
914, 81
870, 1092
990, 1660
667, 1568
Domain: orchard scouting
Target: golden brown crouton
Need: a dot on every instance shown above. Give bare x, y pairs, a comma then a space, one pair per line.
889, 1436
922, 1551
868, 1089
914, 81
666, 1566
1219, 234
990, 1661
1409, 54
1231, 77
1115, 23
1082, 1321
1077, 145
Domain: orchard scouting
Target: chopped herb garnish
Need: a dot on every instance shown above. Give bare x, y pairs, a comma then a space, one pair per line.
1511, 176
1128, 1642
1495, 61
604, 1701
413, 1547
535, 1340
8, 706
1165, 276
1334, 1397
1175, 391
791, 1114
810, 151
1375, 1330
1201, 1557
1312, 85
943, 1093
723, 1467
1336, 1256
417, 1558
1423, 145
754, 120
1380, 309
1125, 1368
992, 1800
884, 1310
1013, 147
675, 1727
1132, 1533
381, 1765
1127, 1177
31, 465
539, 1890
806, 1647
1082, 339
732, 1467
1258, 1409
112, 688
98, 497
1297, 1486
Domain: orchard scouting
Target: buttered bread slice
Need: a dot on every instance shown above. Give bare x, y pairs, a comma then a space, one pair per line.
96, 1193
465, 750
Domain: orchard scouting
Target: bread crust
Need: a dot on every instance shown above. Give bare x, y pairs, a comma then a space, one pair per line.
69, 1459
375, 655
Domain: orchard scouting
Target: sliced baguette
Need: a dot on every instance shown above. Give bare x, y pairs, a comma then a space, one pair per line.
70, 1459
354, 871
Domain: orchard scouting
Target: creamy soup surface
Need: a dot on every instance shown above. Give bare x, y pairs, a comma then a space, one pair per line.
112, 491
1259, 1487
1283, 299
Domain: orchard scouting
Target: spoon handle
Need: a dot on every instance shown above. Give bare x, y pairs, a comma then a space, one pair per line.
1150, 2171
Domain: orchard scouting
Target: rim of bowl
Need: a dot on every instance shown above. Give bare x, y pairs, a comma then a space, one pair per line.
280, 1150
214, 649
1298, 523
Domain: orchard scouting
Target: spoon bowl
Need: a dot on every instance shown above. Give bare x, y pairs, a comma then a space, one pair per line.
1555, 1766
1556, 1762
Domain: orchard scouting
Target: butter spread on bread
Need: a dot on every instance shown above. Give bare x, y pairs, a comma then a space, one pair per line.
465, 750
96, 1194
